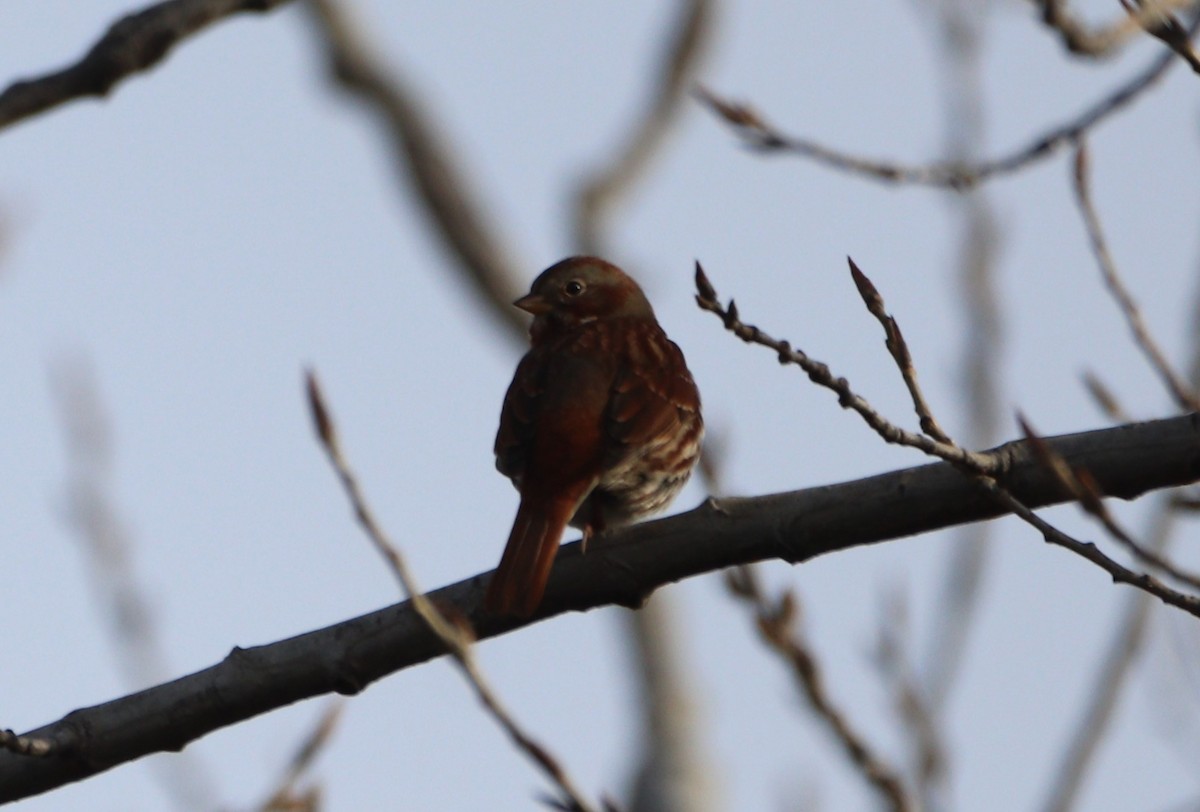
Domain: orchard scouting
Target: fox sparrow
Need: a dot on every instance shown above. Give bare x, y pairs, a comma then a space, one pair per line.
600, 426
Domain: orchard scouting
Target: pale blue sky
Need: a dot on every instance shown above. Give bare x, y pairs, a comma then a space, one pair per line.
226, 220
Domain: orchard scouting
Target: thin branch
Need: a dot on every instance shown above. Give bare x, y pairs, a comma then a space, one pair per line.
670, 770
1089, 551
1156, 21
133, 44
286, 795
912, 704
898, 348
99, 527
1084, 491
1101, 697
426, 159
1154, 18
1185, 504
756, 133
820, 374
455, 634
604, 188
977, 466
108, 550
1183, 394
777, 625
622, 567
1104, 398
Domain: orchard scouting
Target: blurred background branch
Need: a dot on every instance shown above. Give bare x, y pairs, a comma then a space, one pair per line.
760, 135
1083, 39
779, 625
1112, 674
133, 44
426, 161
687, 42
104, 539
959, 30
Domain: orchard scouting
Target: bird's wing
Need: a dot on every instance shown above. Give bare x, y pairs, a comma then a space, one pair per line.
515, 434
652, 394
551, 424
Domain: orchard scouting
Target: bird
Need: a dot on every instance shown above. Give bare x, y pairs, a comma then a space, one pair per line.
600, 426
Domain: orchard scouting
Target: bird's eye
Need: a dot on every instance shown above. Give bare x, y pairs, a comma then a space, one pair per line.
573, 288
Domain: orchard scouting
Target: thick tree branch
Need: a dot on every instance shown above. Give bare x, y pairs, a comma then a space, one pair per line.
135, 43
621, 567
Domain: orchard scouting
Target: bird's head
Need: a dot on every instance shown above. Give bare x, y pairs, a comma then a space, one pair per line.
579, 290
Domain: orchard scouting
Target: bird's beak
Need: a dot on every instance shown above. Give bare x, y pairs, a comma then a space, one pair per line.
533, 303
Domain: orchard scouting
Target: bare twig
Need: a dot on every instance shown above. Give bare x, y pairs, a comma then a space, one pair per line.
1083, 490
99, 526
135, 43
756, 133
1183, 394
898, 347
286, 796
975, 465
426, 159
602, 189
1185, 503
671, 770
778, 627
1105, 690
911, 701
1154, 18
1089, 551
108, 549
1104, 398
820, 374
455, 634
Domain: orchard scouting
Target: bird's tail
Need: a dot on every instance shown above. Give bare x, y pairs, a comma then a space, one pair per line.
517, 585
